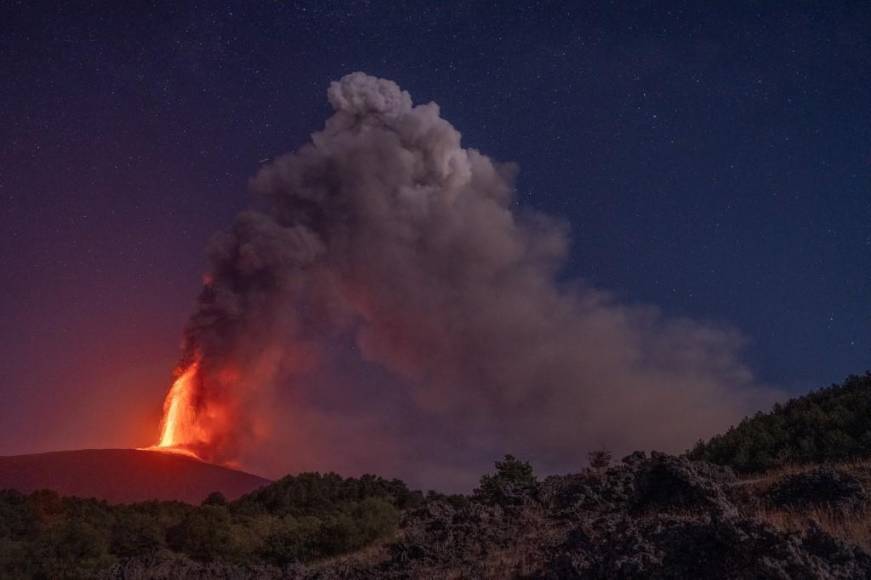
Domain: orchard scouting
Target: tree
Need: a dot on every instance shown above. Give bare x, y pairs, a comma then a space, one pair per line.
215, 498
599, 459
293, 540
830, 424
70, 548
513, 483
299, 518
204, 534
135, 534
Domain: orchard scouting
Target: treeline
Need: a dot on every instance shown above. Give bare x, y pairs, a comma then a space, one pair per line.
298, 518
830, 424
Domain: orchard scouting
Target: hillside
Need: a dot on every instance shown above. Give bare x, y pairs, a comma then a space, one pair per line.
123, 475
830, 424
652, 517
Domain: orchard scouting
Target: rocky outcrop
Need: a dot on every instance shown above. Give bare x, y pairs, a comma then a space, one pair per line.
822, 487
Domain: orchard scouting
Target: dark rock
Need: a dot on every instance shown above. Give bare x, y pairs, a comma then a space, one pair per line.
668, 547
667, 482
824, 486
661, 482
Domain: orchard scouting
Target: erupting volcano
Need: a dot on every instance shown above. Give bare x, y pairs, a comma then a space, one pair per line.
180, 430
192, 421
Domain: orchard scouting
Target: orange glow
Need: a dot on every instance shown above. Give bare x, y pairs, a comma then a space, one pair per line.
183, 429
179, 411
200, 413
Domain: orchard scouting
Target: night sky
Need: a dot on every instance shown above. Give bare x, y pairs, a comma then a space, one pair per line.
713, 159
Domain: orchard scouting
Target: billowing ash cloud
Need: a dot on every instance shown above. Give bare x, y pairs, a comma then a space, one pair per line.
388, 309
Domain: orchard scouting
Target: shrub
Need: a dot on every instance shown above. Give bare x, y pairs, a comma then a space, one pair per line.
599, 459
204, 534
18, 518
321, 494
513, 483
135, 533
215, 498
292, 540
70, 548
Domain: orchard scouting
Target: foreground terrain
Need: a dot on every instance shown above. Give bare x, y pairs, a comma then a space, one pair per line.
655, 516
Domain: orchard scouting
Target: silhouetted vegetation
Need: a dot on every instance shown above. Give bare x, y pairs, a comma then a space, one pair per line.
513, 483
599, 459
831, 424
298, 518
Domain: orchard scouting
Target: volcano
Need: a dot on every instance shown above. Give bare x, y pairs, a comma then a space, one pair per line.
124, 475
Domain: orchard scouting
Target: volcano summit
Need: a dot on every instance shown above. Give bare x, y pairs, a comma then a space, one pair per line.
124, 475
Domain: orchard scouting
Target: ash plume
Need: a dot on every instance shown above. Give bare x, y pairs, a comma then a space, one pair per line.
386, 307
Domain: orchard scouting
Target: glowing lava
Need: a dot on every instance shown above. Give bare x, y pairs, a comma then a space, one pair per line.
180, 429
179, 411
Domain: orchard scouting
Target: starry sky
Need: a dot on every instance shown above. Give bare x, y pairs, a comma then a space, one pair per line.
713, 159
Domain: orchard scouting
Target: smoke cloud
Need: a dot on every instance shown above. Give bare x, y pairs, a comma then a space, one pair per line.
386, 307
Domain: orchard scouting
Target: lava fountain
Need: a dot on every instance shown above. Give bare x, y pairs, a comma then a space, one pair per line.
191, 424
179, 425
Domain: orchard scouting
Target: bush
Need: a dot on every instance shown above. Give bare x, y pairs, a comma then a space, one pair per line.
18, 518
513, 483
203, 535
318, 494
70, 548
599, 459
292, 540
215, 498
135, 533
374, 518
15, 560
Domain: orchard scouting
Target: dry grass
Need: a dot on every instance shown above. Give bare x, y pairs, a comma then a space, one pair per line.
506, 563
860, 468
373, 554
853, 528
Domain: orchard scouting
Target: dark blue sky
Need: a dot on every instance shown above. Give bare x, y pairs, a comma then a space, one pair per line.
713, 159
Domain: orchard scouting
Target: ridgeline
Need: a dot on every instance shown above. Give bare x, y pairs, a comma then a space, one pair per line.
832, 424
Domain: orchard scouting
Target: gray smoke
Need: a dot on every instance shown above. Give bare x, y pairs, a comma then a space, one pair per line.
387, 308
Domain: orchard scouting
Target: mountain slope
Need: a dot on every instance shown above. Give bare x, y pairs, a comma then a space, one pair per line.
124, 475
831, 424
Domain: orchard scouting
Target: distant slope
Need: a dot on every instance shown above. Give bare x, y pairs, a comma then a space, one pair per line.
124, 475
831, 424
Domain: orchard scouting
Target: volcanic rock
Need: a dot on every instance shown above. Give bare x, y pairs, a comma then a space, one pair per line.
824, 486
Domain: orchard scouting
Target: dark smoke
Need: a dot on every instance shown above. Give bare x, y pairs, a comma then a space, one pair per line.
387, 308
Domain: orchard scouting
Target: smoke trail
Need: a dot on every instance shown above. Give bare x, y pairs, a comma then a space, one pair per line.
387, 308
